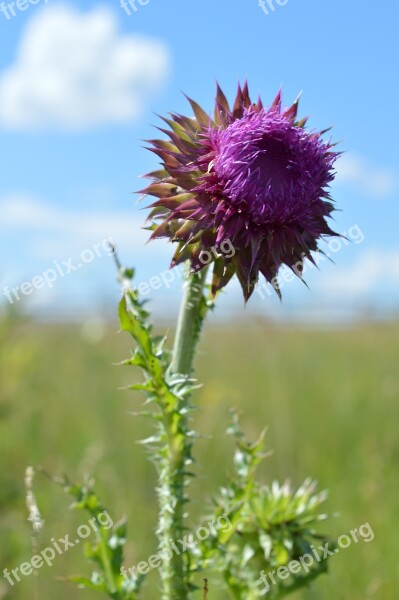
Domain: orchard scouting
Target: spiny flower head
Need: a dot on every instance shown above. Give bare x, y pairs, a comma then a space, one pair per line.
246, 190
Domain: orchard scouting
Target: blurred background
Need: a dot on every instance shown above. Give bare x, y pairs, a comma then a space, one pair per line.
80, 86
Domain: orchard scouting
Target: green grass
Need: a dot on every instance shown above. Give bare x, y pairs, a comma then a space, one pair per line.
329, 399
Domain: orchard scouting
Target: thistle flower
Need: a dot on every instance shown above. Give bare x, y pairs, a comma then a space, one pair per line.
251, 179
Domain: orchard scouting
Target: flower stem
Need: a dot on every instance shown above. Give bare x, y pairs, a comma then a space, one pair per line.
191, 316
173, 474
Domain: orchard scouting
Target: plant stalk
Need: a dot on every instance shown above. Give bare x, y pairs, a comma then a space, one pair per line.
191, 317
173, 475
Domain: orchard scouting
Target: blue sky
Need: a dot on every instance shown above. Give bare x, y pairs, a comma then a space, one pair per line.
80, 83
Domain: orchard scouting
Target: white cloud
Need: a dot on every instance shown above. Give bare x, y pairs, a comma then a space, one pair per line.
374, 269
37, 235
378, 182
76, 70
55, 231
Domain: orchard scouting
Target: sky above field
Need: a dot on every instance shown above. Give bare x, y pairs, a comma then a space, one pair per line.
80, 83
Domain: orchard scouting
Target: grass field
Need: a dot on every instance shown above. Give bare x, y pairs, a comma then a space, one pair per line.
329, 399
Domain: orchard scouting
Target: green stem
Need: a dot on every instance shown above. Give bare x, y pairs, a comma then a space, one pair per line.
173, 475
191, 316
106, 561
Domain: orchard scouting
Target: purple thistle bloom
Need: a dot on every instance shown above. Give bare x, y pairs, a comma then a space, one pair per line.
252, 177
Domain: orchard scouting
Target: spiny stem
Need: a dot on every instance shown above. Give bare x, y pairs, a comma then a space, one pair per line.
191, 316
173, 475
